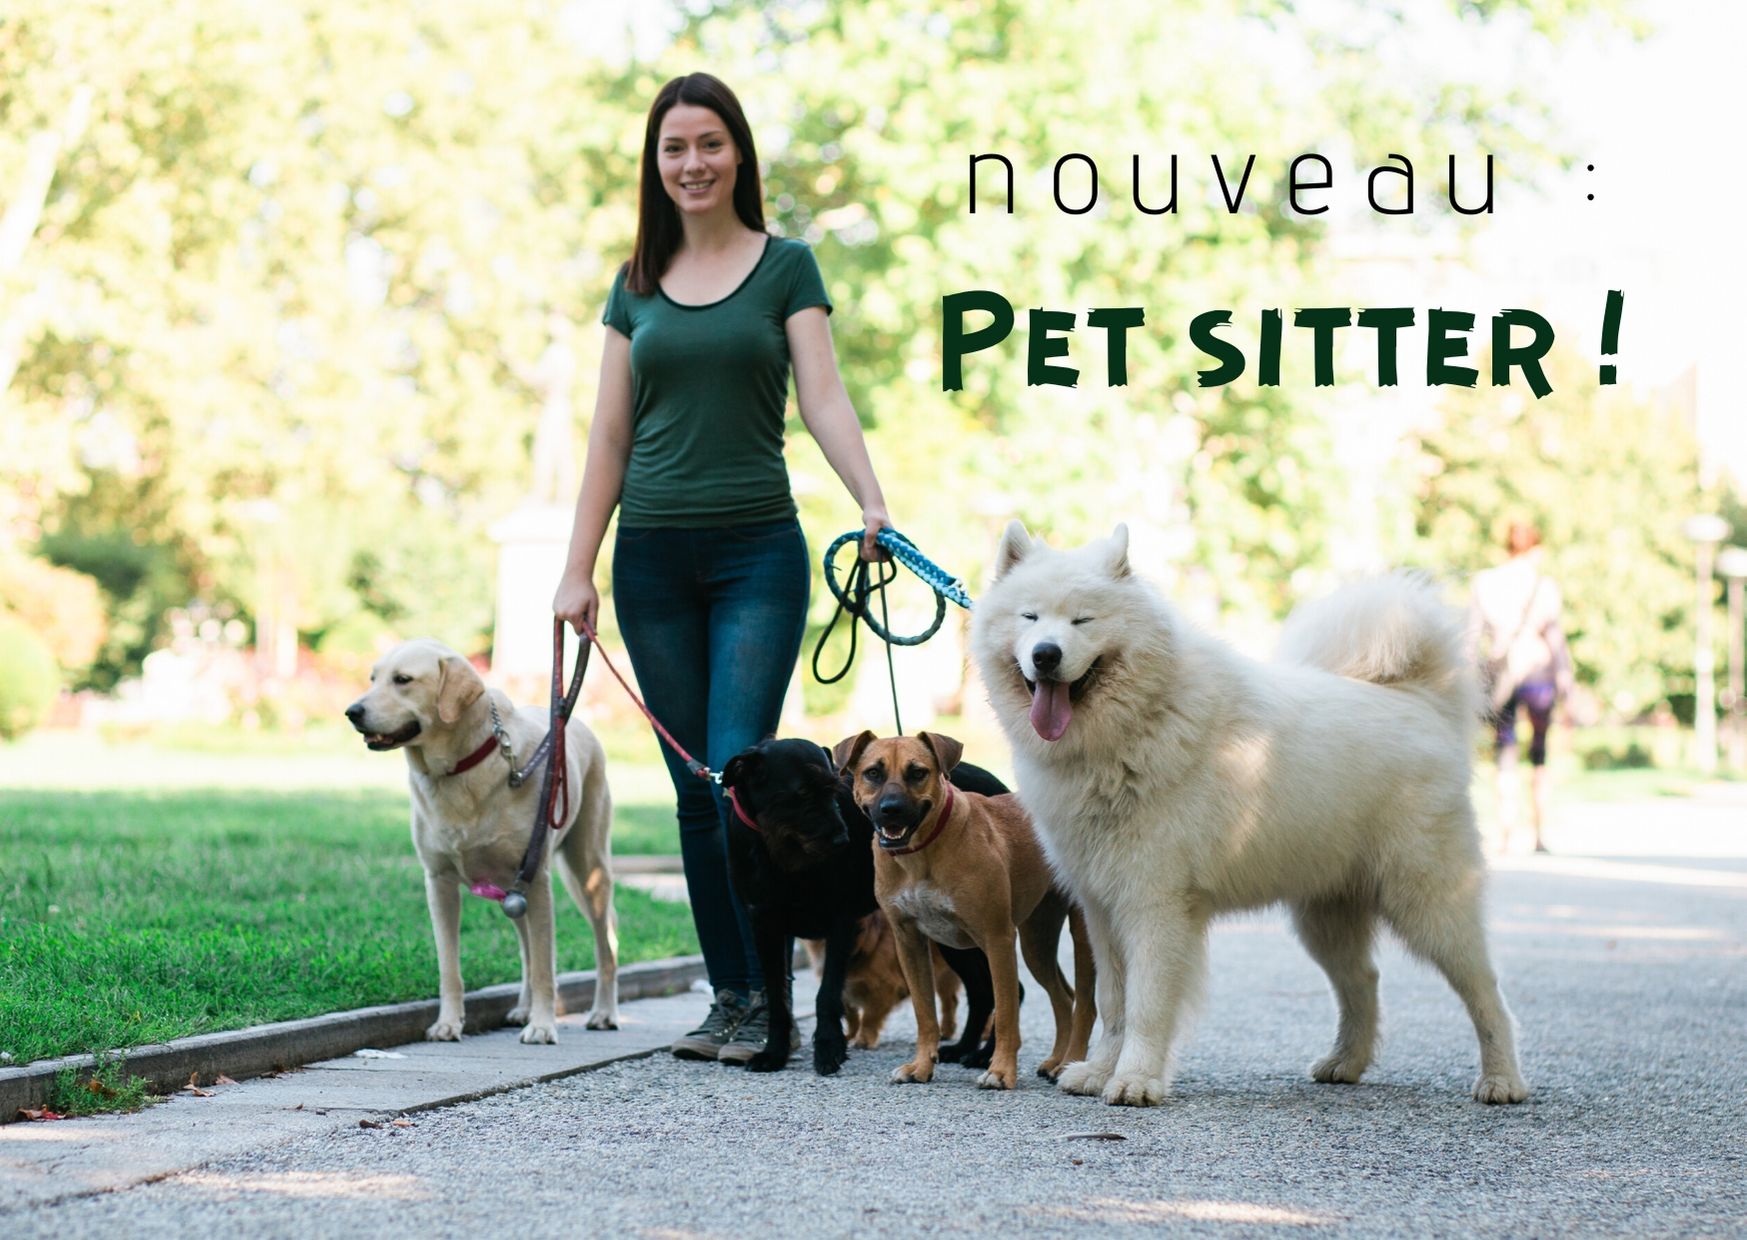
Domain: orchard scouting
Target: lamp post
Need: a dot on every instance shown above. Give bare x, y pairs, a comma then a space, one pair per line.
1732, 564
1706, 530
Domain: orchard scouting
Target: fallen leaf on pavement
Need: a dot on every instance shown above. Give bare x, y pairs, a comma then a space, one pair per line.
223, 1080
404, 1123
368, 1123
42, 1114
1092, 1136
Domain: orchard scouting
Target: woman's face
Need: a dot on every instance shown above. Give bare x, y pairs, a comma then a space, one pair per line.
699, 161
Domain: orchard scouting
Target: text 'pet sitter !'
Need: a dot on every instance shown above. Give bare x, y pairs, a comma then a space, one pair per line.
1518, 339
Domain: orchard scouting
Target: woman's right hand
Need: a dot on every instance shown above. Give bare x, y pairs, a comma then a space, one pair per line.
577, 601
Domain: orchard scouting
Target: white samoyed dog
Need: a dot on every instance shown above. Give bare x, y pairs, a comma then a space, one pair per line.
1172, 779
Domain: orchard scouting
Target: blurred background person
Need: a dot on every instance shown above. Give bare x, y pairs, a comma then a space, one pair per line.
1526, 667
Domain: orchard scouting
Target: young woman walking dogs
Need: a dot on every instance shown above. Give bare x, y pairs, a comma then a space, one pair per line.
710, 570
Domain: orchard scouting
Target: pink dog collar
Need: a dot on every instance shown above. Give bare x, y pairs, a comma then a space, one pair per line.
739, 810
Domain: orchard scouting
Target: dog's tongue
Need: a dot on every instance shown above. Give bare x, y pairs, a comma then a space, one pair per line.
1051, 709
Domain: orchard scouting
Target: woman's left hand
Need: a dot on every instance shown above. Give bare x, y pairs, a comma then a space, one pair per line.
874, 520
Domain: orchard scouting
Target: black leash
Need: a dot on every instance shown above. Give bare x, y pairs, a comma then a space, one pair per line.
854, 603
856, 598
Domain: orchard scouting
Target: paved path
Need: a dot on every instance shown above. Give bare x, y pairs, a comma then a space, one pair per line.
46, 1164
1626, 966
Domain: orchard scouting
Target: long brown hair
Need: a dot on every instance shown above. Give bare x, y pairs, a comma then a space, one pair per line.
1522, 536
658, 227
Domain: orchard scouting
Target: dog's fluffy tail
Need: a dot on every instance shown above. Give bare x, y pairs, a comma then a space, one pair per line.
1390, 630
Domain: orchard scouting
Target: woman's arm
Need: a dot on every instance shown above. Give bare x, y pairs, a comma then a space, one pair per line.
603, 476
828, 415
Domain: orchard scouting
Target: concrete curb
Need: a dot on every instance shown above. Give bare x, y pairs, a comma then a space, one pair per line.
244, 1053
654, 863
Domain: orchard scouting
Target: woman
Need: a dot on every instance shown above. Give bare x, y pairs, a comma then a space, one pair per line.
710, 569
1516, 611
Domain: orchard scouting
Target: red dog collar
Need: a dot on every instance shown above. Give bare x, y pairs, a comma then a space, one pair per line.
939, 826
479, 755
739, 813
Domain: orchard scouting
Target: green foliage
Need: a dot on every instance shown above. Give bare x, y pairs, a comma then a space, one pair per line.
279, 312
29, 678
64, 607
1608, 479
141, 578
351, 645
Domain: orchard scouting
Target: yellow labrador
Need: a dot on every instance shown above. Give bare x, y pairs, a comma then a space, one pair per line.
471, 828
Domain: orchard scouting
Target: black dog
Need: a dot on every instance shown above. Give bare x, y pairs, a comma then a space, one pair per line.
800, 852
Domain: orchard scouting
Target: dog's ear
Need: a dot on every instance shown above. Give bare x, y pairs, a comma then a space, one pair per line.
1116, 552
458, 687
1015, 545
741, 767
846, 751
946, 751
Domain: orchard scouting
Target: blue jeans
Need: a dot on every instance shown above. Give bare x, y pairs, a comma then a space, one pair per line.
713, 621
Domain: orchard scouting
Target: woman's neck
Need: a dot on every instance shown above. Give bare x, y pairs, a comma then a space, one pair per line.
715, 233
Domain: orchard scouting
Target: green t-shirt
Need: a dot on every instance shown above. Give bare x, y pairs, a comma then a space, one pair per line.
708, 388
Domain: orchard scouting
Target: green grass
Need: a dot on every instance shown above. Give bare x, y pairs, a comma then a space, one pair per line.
131, 916
1636, 783
106, 1088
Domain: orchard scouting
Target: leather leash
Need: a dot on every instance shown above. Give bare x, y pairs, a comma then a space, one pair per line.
554, 787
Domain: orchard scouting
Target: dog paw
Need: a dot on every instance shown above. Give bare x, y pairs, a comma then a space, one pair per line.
1497, 1088
981, 1057
540, 1034
952, 1052
997, 1078
863, 1042
829, 1054
602, 1020
1134, 1090
916, 1072
1338, 1070
1049, 1069
1085, 1078
768, 1060
516, 1016
444, 1031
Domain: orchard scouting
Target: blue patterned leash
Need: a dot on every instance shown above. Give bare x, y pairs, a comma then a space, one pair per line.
857, 596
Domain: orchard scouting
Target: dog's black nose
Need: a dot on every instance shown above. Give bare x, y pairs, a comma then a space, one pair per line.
892, 807
1046, 656
355, 712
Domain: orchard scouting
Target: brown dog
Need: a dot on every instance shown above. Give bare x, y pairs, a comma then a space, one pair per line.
874, 983
966, 870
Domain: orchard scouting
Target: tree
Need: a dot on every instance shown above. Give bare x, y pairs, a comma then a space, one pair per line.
1608, 478
271, 315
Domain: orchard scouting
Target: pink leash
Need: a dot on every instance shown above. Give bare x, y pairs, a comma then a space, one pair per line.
691, 764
